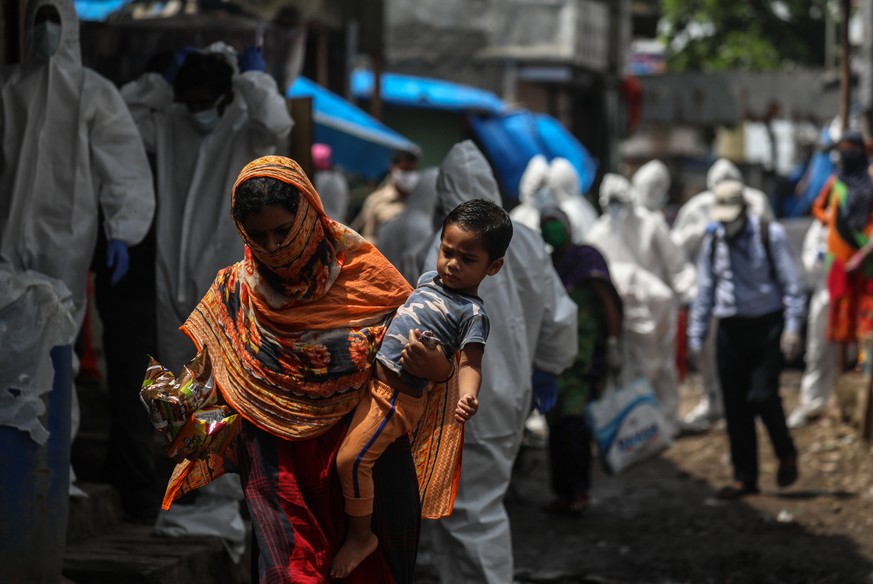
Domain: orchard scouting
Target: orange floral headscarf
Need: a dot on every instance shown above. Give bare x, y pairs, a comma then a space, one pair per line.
292, 334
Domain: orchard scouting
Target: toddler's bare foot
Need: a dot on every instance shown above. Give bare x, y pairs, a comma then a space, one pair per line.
353, 552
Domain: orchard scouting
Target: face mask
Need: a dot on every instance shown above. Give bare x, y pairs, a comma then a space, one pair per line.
46, 38
207, 120
852, 160
554, 233
616, 210
735, 227
544, 198
405, 180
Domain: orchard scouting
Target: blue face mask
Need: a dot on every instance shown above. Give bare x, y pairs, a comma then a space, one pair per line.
544, 198
46, 39
206, 120
616, 210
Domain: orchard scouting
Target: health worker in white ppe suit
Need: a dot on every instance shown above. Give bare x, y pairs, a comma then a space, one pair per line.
820, 371
69, 149
544, 185
651, 184
631, 235
202, 130
533, 329
688, 231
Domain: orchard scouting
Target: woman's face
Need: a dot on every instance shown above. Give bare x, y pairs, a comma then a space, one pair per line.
269, 227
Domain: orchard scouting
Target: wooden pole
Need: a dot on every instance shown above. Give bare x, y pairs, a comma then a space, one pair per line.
376, 100
845, 79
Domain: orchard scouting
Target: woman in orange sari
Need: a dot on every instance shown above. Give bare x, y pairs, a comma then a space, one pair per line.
844, 206
291, 333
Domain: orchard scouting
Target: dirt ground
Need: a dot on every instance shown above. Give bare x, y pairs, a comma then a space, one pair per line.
660, 522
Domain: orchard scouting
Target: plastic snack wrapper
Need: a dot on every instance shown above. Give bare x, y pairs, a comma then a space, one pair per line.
171, 401
429, 339
207, 432
185, 411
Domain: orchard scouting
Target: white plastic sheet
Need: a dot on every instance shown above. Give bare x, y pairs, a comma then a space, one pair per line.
35, 316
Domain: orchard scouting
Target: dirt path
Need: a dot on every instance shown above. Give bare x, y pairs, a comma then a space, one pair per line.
660, 523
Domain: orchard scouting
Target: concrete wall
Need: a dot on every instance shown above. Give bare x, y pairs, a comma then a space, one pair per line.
441, 38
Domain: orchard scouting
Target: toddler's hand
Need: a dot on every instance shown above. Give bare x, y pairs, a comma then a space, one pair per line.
468, 405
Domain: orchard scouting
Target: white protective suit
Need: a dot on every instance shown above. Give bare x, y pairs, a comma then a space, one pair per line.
651, 184
195, 173
533, 324
553, 185
693, 216
820, 373
69, 148
333, 189
688, 231
638, 237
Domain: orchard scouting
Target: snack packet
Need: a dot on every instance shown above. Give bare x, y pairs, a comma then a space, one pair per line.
171, 402
207, 432
429, 339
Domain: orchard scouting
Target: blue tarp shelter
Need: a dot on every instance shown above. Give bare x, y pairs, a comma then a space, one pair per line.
98, 10
410, 91
360, 143
511, 139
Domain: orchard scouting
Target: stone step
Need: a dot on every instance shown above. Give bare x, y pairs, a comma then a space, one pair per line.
102, 548
97, 514
132, 555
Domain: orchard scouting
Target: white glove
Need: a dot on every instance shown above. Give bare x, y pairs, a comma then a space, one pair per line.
614, 357
790, 345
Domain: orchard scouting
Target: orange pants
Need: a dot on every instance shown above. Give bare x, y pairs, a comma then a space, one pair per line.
383, 415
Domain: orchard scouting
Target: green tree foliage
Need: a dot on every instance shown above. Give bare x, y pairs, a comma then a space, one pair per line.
756, 35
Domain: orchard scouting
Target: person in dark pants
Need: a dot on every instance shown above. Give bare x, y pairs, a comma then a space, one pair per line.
127, 313
748, 279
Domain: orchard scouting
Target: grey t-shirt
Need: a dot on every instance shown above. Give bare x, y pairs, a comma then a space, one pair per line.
455, 319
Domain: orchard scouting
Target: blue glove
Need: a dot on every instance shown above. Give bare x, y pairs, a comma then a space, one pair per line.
545, 390
711, 227
117, 260
252, 59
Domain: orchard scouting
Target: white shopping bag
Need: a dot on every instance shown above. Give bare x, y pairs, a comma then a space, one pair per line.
628, 425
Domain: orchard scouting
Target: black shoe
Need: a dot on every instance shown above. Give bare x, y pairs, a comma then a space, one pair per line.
736, 491
787, 473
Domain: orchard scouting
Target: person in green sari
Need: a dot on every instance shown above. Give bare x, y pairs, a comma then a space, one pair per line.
585, 275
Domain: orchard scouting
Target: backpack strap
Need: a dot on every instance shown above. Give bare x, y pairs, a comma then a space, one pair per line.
712, 250
764, 232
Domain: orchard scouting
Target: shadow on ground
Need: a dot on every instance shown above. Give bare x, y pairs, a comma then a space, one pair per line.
659, 524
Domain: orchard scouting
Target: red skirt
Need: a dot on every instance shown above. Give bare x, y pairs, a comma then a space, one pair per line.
850, 315
294, 498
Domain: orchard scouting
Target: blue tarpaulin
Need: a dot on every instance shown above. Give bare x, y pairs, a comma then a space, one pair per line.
360, 143
98, 10
409, 91
510, 140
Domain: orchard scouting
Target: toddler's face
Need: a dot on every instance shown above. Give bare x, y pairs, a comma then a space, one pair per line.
463, 261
